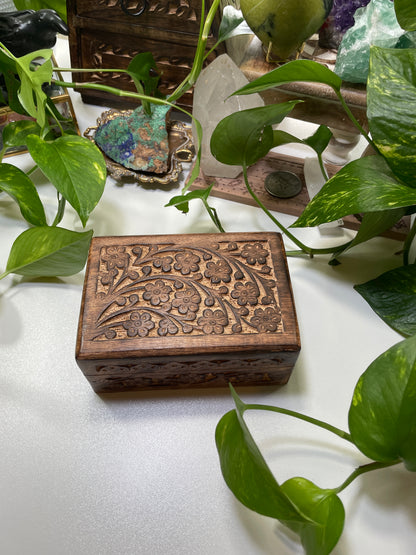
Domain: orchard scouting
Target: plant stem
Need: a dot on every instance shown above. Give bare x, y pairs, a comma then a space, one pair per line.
408, 243
362, 470
213, 215
337, 431
308, 250
199, 58
354, 120
60, 211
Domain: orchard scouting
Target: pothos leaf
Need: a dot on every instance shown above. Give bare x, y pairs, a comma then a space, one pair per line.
17, 184
297, 70
364, 185
246, 472
244, 137
76, 168
391, 100
48, 251
382, 415
393, 297
323, 507
406, 14
15, 132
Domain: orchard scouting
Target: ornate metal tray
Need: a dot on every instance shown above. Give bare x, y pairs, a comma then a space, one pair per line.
181, 149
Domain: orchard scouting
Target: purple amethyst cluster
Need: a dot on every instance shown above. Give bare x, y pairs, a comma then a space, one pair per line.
343, 13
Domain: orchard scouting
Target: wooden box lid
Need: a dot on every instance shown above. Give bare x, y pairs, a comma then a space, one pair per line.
192, 310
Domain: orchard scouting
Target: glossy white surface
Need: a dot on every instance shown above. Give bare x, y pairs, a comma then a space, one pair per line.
138, 473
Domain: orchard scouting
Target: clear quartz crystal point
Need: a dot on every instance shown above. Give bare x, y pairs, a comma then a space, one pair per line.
212, 103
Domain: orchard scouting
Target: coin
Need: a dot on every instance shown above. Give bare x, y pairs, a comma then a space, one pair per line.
283, 184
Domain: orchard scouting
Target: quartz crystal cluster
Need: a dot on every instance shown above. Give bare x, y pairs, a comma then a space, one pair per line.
212, 103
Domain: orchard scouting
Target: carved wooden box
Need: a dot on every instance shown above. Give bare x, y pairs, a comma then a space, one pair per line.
175, 311
109, 33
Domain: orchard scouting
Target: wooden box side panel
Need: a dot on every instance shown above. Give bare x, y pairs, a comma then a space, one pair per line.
185, 372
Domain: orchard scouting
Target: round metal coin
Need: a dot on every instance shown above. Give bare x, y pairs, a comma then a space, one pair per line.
283, 184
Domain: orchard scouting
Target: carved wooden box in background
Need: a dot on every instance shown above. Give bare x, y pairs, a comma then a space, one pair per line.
109, 33
176, 311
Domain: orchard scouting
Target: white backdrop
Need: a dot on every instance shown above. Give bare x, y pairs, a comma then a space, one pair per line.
138, 473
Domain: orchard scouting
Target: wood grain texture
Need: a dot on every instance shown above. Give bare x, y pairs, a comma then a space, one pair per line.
193, 310
103, 35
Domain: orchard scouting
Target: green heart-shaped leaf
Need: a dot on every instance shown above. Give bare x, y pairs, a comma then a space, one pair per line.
323, 507
244, 137
76, 168
297, 70
406, 14
245, 470
393, 297
48, 251
16, 132
364, 185
17, 184
391, 100
382, 415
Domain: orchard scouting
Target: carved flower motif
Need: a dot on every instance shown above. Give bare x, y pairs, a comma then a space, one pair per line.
163, 262
186, 262
115, 257
245, 293
218, 271
266, 319
166, 326
254, 253
140, 324
186, 300
157, 292
108, 277
212, 321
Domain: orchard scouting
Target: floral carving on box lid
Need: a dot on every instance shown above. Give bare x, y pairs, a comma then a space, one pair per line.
150, 290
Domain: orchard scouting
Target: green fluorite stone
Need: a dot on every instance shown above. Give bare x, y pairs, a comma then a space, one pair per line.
137, 141
376, 24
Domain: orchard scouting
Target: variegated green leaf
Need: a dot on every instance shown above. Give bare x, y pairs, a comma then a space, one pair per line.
76, 168
391, 100
382, 415
17, 184
406, 14
364, 185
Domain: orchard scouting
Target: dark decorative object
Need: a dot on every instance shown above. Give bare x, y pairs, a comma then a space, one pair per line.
109, 33
25, 31
175, 311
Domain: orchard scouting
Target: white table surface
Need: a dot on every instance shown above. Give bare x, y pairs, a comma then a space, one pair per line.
138, 473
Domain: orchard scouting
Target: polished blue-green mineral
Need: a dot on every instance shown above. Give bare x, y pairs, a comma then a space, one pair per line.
137, 141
